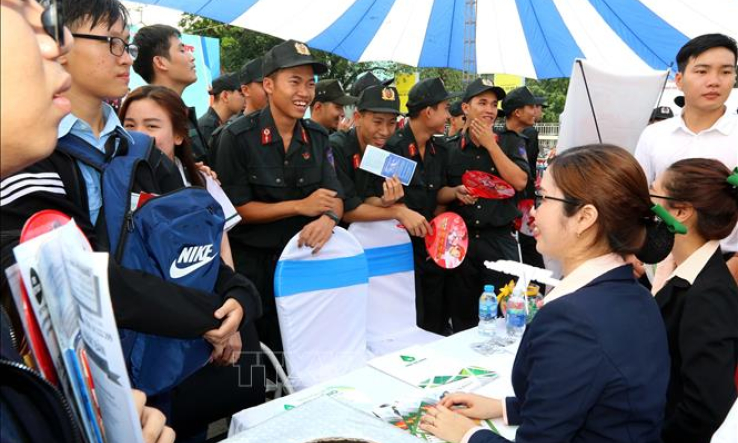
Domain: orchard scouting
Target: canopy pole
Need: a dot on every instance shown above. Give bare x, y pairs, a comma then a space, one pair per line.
589, 97
663, 87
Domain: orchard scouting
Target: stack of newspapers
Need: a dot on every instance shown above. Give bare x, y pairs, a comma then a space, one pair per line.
60, 289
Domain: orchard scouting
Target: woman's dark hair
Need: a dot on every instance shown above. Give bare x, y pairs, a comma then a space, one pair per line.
611, 180
173, 105
702, 183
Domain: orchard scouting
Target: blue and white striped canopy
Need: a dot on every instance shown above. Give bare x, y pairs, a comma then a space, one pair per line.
532, 38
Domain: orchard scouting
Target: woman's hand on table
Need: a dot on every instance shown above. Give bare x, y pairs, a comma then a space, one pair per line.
446, 424
473, 405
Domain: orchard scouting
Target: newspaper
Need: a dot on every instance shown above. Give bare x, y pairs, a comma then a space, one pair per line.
74, 284
387, 165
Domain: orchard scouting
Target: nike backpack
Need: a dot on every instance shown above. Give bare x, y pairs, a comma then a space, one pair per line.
175, 236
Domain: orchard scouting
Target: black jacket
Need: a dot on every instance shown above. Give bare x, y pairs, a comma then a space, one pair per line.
141, 302
31, 408
702, 326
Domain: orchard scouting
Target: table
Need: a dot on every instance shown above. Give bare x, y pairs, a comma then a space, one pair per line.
366, 388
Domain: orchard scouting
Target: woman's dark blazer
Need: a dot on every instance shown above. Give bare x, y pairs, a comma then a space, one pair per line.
702, 326
591, 367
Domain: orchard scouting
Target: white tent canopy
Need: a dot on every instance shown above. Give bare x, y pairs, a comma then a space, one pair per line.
532, 38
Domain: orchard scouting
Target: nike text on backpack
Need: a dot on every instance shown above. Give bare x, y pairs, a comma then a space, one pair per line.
175, 236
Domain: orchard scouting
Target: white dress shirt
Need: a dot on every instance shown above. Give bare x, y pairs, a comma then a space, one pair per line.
666, 142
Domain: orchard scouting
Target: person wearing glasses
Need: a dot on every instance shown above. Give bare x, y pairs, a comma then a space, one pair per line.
99, 70
698, 298
593, 364
33, 104
165, 61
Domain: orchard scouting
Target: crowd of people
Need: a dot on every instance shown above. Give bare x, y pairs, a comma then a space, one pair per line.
606, 359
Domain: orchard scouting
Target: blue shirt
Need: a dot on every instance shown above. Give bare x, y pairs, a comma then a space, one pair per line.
72, 124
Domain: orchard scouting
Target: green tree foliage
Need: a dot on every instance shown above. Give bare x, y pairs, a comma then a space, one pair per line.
555, 92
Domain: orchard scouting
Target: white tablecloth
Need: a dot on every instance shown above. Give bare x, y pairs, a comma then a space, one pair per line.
367, 388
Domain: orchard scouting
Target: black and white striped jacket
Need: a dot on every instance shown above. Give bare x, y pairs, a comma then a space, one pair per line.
141, 301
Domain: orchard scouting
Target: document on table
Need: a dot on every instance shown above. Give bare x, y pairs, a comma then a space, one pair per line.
323, 417
426, 369
386, 164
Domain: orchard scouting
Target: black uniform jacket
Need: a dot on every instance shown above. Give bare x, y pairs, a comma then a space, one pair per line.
253, 166
464, 156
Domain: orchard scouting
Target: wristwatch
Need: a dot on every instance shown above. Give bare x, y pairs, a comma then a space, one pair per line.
333, 216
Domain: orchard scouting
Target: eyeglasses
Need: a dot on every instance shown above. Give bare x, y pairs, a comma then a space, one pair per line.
540, 198
52, 20
118, 46
665, 197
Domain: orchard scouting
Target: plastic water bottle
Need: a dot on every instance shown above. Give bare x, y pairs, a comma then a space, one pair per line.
487, 312
515, 321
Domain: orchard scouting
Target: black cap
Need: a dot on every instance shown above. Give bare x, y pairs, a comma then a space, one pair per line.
288, 55
426, 93
226, 82
662, 113
331, 91
366, 80
251, 71
455, 109
379, 98
517, 98
481, 85
541, 101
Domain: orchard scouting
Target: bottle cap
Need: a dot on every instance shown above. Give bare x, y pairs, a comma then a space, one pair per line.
489, 288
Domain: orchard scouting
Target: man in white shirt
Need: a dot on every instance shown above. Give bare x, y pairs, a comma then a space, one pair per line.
706, 74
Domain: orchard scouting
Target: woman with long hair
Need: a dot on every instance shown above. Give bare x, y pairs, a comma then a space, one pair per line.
160, 113
593, 363
698, 298
213, 392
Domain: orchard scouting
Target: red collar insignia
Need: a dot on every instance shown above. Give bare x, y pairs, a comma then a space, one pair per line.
463, 142
266, 136
356, 161
304, 135
413, 150
306, 154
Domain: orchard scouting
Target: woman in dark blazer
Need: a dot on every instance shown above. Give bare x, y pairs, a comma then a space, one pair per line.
698, 299
592, 365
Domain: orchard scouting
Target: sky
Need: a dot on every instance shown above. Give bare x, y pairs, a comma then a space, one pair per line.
142, 14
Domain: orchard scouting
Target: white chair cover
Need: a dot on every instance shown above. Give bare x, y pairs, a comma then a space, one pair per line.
391, 323
321, 303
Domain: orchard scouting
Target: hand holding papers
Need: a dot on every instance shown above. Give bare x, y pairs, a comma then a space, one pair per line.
386, 164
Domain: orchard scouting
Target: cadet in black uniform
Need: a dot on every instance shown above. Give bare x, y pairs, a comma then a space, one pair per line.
522, 110
327, 107
490, 222
277, 170
227, 101
376, 120
421, 140
457, 121
253, 92
365, 80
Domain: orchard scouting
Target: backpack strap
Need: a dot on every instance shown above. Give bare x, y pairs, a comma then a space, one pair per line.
142, 145
79, 149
